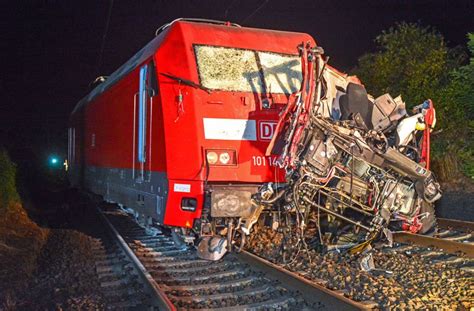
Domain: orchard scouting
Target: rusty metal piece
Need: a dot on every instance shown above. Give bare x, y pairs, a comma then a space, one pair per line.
451, 247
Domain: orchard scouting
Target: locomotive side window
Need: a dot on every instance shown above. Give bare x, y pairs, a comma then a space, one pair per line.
152, 81
142, 99
231, 69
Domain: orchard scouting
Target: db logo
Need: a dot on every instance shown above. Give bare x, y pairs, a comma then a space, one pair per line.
266, 130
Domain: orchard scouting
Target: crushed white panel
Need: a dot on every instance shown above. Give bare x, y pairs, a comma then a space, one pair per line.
182, 188
230, 129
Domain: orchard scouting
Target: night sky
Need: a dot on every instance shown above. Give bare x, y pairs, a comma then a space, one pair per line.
51, 50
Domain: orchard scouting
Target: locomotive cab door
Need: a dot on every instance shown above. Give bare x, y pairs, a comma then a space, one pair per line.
143, 114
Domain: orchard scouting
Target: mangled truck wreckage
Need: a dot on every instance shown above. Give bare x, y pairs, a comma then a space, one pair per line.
357, 168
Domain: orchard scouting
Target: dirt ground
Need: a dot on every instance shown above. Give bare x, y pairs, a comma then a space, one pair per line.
47, 264
21, 242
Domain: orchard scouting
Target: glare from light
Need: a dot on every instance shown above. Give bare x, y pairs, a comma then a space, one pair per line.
54, 160
224, 158
212, 157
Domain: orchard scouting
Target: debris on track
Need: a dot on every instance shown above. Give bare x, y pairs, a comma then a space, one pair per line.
401, 279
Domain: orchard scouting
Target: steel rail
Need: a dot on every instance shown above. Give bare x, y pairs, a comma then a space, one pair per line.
159, 298
455, 224
312, 292
447, 246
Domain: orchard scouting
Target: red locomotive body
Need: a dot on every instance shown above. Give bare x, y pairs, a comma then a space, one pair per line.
184, 124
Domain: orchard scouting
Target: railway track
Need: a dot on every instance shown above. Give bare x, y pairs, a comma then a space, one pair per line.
163, 275
452, 237
452, 244
175, 278
418, 272
120, 285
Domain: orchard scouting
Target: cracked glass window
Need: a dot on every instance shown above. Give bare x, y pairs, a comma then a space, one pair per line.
231, 69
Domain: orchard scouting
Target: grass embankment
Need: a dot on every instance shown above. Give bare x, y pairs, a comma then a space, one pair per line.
21, 240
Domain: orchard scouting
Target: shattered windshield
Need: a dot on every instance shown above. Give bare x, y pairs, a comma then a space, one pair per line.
231, 69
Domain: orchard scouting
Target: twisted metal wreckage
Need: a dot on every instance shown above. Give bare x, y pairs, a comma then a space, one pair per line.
357, 168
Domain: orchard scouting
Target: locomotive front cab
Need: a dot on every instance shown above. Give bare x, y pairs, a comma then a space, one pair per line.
253, 87
238, 82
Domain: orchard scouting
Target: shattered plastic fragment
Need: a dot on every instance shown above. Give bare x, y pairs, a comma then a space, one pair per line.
367, 262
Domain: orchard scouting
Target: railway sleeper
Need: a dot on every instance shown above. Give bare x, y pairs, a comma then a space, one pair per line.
109, 257
110, 262
187, 262
443, 233
173, 274
144, 239
116, 273
201, 278
278, 303
155, 258
430, 253
468, 269
452, 260
153, 244
107, 269
121, 280
465, 236
247, 281
226, 295
194, 268
156, 250
163, 254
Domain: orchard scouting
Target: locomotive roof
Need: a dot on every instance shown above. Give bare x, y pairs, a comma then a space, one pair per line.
131, 64
141, 56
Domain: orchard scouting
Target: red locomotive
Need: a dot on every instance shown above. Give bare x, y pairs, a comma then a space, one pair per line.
179, 132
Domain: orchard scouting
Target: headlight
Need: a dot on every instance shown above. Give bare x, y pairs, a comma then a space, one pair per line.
212, 157
224, 157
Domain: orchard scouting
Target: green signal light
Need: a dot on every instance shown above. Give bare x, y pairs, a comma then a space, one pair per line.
53, 160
